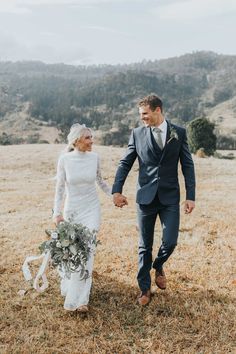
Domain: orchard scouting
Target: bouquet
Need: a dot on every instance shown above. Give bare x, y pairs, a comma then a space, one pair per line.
70, 247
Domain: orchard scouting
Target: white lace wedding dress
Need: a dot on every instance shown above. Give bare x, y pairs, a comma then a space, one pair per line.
77, 173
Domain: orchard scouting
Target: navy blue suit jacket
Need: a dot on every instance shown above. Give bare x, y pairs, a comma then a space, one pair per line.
158, 169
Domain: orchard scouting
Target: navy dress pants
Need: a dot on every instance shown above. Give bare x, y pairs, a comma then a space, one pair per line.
147, 215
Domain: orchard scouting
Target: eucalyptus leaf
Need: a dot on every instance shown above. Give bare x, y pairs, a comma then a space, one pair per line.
65, 243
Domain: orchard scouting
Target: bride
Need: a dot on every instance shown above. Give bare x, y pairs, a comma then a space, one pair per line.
77, 171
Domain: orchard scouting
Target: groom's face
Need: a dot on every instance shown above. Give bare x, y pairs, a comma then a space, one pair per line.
149, 117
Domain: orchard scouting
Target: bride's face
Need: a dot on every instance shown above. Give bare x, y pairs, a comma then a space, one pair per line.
85, 142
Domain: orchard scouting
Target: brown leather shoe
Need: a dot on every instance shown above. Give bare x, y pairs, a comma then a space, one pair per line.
144, 298
160, 279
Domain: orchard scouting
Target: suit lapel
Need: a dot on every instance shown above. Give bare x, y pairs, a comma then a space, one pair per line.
154, 146
167, 133
150, 142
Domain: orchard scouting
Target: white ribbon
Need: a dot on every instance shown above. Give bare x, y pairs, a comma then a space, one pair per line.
41, 272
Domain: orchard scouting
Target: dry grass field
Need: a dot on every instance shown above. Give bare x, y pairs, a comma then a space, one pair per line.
196, 313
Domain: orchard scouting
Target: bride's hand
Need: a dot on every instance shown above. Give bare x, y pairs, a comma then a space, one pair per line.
58, 219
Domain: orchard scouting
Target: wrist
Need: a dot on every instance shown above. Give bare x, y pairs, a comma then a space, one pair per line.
56, 215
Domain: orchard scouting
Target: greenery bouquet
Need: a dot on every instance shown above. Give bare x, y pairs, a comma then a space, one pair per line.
70, 246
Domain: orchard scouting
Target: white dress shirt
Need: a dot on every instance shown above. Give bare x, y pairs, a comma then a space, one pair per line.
163, 128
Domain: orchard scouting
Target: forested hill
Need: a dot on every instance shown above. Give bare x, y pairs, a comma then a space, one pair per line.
105, 97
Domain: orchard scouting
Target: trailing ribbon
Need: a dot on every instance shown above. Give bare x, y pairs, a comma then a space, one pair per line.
41, 272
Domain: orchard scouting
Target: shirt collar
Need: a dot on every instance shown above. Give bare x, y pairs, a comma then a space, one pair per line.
162, 126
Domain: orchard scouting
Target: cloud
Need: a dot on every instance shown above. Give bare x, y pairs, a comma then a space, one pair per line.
106, 29
194, 9
13, 8
70, 2
25, 6
47, 34
9, 46
14, 50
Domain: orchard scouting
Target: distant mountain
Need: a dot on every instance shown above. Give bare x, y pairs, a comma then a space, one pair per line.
105, 97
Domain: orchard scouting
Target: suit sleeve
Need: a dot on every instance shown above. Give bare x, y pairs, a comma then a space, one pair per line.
125, 165
187, 166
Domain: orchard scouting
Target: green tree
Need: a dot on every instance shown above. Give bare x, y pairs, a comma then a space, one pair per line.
201, 136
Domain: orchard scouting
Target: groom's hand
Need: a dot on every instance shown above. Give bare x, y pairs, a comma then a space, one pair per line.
119, 200
189, 205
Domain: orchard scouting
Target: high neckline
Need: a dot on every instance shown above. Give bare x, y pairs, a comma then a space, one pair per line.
79, 152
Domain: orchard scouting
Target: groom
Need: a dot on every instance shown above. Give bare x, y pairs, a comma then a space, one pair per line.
159, 146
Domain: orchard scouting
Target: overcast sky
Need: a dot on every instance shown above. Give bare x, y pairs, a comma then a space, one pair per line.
114, 31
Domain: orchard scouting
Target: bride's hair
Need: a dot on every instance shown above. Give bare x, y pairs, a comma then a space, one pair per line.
76, 132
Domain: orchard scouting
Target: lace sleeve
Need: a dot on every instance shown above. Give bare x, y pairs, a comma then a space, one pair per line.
60, 187
100, 181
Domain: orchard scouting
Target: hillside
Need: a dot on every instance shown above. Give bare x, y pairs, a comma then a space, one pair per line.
196, 314
224, 115
105, 97
21, 127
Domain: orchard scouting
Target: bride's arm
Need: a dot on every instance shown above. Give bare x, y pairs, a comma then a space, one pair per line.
60, 189
100, 181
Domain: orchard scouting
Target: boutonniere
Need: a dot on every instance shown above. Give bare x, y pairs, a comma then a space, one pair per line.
173, 135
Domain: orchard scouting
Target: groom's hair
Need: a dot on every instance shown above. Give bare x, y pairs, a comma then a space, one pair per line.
152, 100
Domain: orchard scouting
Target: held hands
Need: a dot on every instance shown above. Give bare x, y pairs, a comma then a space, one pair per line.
189, 205
119, 200
58, 219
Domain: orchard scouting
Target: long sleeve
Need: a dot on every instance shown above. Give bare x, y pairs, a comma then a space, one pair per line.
60, 187
125, 166
187, 166
100, 181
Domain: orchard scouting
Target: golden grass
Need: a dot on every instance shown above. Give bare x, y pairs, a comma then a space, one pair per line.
195, 314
